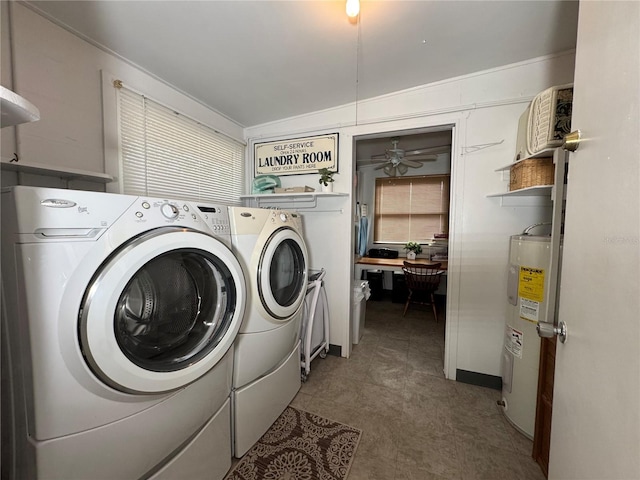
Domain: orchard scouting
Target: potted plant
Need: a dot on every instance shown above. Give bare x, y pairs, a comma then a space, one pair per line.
413, 249
326, 179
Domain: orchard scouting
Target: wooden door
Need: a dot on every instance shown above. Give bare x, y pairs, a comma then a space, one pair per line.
544, 405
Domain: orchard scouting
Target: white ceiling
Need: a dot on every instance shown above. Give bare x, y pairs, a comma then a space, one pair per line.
259, 61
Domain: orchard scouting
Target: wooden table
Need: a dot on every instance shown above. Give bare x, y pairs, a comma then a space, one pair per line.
390, 264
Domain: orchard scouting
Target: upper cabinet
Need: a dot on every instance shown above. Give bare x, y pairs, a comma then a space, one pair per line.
15, 109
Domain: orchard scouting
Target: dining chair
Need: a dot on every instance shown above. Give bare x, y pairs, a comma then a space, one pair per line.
422, 281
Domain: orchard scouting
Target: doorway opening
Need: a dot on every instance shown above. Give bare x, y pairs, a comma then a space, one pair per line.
403, 155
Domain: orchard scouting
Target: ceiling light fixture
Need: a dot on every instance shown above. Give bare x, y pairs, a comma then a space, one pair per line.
353, 8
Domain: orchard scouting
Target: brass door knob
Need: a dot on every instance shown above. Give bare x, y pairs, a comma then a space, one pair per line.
572, 141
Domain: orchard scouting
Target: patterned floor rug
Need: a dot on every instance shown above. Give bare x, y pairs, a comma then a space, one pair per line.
300, 446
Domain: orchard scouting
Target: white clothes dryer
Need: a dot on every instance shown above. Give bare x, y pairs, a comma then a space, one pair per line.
270, 246
119, 319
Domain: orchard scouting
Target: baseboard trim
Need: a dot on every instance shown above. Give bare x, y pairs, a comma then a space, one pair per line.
480, 379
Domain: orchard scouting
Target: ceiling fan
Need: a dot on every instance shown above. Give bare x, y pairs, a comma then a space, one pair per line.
396, 161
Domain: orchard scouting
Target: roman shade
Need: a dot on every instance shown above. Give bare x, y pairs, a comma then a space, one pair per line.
411, 208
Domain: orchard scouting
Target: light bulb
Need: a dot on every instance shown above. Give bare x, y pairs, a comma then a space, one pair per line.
353, 8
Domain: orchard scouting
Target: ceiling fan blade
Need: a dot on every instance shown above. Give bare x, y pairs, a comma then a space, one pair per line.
410, 163
372, 161
428, 150
422, 158
393, 157
390, 170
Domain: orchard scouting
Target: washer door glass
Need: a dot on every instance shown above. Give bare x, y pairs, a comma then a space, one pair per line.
162, 311
283, 274
174, 310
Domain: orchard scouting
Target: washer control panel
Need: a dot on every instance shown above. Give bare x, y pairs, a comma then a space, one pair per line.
189, 214
216, 217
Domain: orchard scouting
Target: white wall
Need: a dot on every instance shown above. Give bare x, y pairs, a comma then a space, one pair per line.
61, 75
484, 109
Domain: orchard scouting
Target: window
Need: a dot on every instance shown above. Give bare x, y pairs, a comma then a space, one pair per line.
411, 208
166, 154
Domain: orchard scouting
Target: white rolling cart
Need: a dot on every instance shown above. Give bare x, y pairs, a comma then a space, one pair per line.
314, 334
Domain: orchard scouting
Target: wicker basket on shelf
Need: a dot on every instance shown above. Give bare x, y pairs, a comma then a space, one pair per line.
531, 172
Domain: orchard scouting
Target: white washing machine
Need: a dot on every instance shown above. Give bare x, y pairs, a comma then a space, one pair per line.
119, 319
266, 375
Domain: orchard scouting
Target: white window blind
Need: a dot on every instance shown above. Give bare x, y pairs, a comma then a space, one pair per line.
411, 208
166, 154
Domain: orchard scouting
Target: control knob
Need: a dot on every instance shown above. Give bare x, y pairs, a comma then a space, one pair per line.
170, 211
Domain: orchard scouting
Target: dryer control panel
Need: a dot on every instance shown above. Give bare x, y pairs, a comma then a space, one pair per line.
282, 216
285, 218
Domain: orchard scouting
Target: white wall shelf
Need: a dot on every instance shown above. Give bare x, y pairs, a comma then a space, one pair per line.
299, 195
546, 153
15, 109
60, 172
291, 200
538, 195
536, 191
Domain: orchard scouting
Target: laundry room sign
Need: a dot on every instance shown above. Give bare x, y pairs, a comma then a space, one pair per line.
296, 156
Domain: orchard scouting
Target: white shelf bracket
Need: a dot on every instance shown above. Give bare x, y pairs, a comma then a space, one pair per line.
478, 147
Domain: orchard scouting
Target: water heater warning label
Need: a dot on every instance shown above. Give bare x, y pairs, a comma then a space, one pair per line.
514, 341
531, 284
531, 292
529, 310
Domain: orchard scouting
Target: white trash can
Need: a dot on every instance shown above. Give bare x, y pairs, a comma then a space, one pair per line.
361, 294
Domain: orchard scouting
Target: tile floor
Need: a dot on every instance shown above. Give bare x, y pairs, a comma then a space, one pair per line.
416, 424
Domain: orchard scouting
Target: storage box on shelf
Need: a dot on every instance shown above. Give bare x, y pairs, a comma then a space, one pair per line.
532, 176
541, 131
550, 118
531, 172
293, 189
545, 122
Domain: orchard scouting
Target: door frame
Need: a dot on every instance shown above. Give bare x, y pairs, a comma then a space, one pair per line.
455, 123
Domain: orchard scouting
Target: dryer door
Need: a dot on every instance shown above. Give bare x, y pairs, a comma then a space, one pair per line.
162, 311
282, 274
